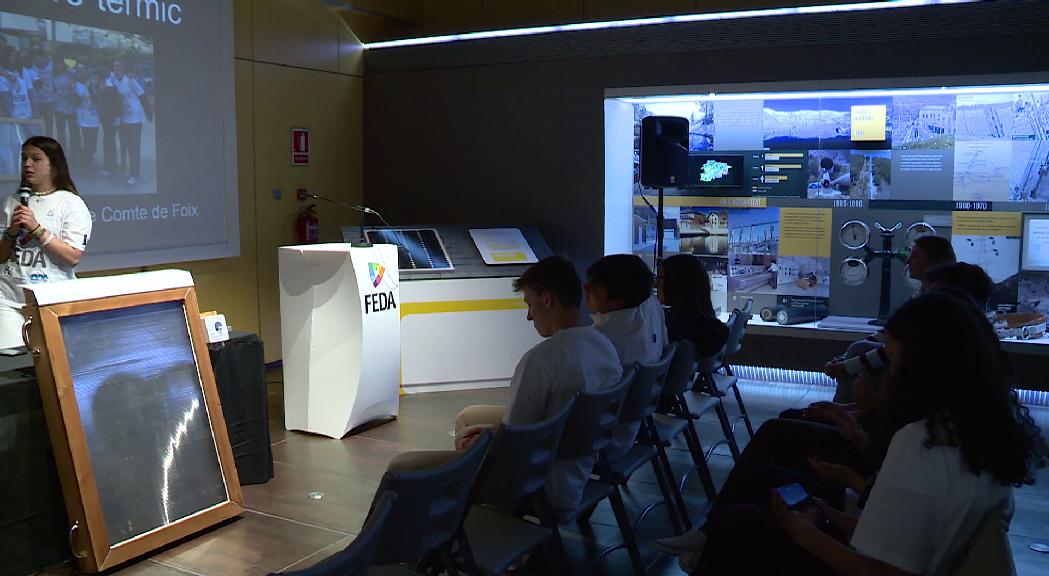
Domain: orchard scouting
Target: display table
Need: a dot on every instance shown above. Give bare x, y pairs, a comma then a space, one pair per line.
465, 328
810, 345
32, 513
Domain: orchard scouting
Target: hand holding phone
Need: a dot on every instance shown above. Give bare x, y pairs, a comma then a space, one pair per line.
794, 496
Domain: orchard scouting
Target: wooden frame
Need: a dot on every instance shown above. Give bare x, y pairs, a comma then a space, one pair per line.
88, 535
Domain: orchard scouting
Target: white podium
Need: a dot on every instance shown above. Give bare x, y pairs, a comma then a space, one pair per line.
340, 335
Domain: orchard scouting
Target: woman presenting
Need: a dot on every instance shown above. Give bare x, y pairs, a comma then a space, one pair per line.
47, 231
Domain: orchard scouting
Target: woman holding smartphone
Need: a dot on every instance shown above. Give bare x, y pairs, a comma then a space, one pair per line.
966, 443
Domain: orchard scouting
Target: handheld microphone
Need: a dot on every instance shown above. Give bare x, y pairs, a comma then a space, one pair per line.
24, 193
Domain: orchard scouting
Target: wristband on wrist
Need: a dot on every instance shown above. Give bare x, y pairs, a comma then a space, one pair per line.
38, 231
50, 237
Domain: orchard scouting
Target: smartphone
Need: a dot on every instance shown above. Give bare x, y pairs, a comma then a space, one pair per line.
794, 495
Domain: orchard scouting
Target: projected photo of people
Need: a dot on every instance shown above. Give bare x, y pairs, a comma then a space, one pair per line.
829, 175
89, 88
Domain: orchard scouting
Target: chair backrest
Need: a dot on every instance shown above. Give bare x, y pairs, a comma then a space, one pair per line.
681, 369
642, 398
430, 507
517, 462
737, 325
356, 559
748, 308
714, 362
593, 419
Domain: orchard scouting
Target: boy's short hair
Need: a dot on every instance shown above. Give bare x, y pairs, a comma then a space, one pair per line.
625, 276
556, 275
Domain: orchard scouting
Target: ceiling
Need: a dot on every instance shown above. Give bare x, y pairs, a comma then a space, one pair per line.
378, 20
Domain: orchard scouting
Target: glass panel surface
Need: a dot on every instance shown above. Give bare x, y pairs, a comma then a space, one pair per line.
144, 417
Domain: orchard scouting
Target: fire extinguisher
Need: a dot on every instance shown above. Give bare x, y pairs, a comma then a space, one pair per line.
307, 226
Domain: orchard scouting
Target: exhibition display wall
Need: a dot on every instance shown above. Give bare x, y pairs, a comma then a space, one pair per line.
786, 189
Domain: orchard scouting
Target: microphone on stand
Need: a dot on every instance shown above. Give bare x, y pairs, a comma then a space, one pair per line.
363, 210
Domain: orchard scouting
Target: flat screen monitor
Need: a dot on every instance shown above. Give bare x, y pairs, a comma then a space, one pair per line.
1036, 242
418, 249
715, 171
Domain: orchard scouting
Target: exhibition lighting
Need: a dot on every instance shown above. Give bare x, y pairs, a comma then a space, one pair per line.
682, 18
809, 378
943, 90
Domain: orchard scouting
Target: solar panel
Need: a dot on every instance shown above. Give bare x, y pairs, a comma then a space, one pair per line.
418, 249
144, 417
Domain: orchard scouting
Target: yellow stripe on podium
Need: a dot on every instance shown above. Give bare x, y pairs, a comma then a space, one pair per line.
442, 307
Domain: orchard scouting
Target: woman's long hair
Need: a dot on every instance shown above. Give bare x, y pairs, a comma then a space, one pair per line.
951, 372
686, 283
60, 177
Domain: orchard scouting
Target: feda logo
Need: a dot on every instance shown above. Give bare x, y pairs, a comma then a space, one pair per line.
379, 302
376, 271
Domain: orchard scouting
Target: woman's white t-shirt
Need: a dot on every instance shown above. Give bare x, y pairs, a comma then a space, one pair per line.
924, 501
66, 216
131, 92
86, 113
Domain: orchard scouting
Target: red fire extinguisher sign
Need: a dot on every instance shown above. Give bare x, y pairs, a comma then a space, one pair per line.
300, 147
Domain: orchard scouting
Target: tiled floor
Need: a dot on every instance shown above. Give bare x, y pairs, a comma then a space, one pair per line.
322, 489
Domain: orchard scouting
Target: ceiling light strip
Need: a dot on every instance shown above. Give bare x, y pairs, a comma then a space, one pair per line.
682, 18
862, 93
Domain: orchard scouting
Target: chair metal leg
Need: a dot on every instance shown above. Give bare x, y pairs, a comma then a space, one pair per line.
675, 490
670, 498
726, 428
695, 447
629, 539
699, 462
743, 411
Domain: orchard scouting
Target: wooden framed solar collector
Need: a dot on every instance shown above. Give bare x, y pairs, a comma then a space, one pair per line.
134, 417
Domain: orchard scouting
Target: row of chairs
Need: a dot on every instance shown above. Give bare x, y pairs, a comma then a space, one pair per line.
469, 514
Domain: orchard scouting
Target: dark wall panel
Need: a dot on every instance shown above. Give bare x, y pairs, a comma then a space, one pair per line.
511, 131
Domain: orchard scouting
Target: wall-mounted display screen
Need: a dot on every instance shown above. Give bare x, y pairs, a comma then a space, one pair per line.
715, 171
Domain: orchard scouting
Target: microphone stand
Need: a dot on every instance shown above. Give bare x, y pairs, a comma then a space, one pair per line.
362, 210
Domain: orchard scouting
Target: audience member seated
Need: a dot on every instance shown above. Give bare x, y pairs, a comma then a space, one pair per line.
684, 285
965, 442
967, 277
841, 446
928, 252
573, 357
619, 296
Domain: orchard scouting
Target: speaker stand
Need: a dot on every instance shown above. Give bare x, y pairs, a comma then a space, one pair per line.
659, 231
